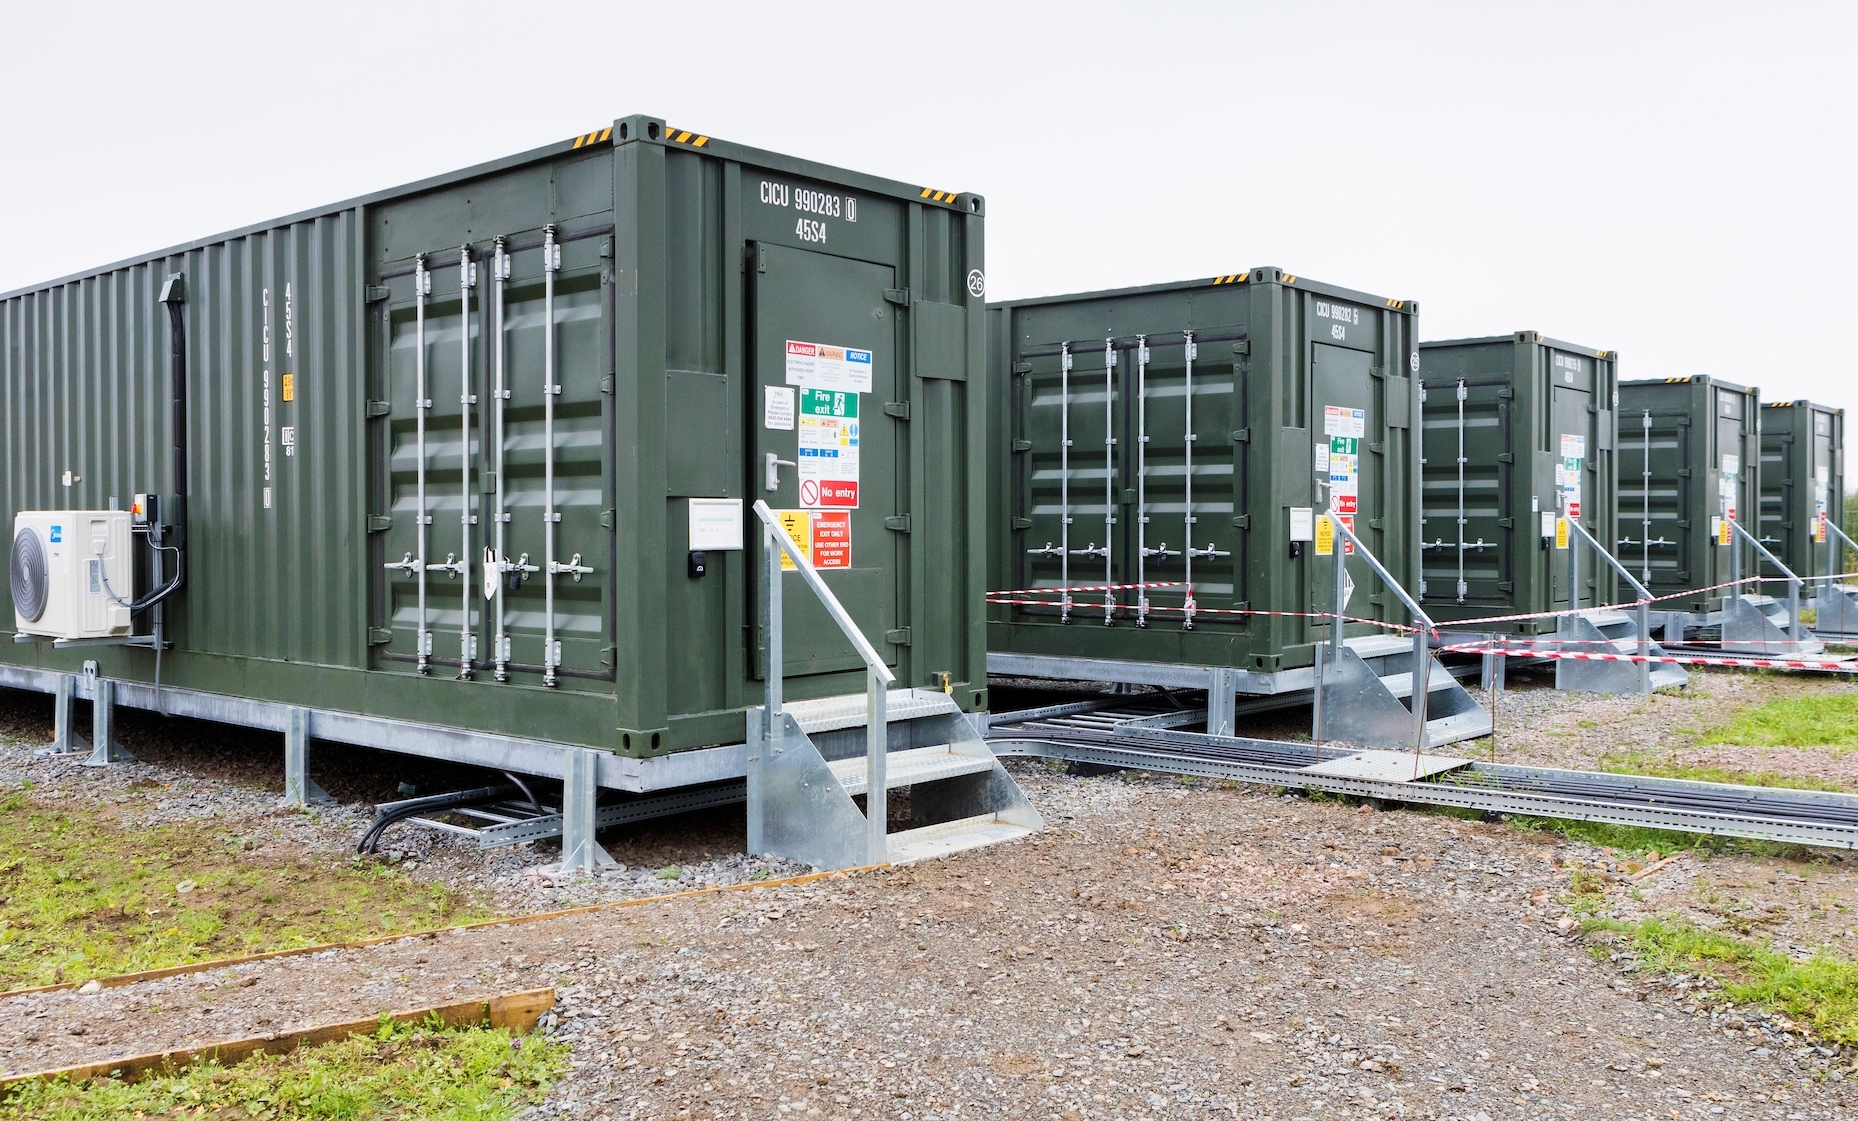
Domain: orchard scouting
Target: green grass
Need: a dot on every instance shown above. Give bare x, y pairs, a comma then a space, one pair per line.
1821, 991
81, 896
409, 1073
1825, 720
1648, 764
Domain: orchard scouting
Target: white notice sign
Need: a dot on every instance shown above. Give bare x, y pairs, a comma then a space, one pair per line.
1338, 421
715, 523
1302, 523
777, 407
823, 366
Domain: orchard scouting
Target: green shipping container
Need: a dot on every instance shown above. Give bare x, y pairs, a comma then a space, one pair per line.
578, 357
1802, 481
1689, 453
1519, 430
1172, 434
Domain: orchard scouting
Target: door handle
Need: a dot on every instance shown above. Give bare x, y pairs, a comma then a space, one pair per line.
775, 463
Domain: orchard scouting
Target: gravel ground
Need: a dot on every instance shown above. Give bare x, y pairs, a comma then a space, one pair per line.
1159, 950
1162, 949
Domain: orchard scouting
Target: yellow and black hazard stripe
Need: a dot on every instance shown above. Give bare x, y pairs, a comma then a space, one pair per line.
1781, 404
934, 195
1231, 278
597, 136
1676, 381
685, 136
1396, 305
1602, 354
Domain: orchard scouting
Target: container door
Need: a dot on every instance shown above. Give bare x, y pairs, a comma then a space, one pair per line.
1571, 434
824, 350
1485, 438
1348, 411
1824, 489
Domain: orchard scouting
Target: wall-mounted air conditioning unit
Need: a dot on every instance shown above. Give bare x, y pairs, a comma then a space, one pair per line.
71, 573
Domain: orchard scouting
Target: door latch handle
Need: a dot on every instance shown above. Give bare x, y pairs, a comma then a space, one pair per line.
775, 463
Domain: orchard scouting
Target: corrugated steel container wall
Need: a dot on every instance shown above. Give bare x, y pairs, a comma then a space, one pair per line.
1527, 401
1802, 480
1272, 351
686, 265
1702, 433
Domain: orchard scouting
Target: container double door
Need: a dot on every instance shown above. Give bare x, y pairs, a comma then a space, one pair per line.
1128, 474
1656, 514
830, 453
1479, 491
472, 479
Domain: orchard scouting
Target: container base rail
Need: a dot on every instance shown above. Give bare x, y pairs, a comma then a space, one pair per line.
1807, 817
1602, 629
1382, 676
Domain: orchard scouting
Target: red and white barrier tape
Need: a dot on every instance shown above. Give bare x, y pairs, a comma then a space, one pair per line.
1668, 659
1092, 588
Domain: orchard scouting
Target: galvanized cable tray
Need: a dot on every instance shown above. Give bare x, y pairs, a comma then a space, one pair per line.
1798, 816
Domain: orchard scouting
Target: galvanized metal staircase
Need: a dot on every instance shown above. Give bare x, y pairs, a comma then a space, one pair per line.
1367, 697
809, 760
1758, 624
1606, 631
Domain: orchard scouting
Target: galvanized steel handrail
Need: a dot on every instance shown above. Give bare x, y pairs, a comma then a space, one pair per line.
1794, 582
1644, 594
878, 677
1424, 629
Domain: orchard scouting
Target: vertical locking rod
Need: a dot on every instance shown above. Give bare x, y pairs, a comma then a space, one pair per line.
467, 641
1141, 480
1064, 482
500, 272
1109, 479
422, 284
551, 261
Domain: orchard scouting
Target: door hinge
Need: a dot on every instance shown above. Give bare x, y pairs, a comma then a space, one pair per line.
898, 409
1505, 586
380, 523
1683, 472
376, 293
1022, 523
1506, 392
608, 519
606, 247
609, 655
379, 636
1507, 523
1243, 346
898, 637
1377, 447
487, 483
379, 408
1377, 371
606, 384
1506, 457
1022, 445
898, 523
1377, 523
1241, 435
1243, 521
1022, 367
1683, 523
898, 296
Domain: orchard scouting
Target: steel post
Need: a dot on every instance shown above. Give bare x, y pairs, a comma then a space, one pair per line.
1222, 702
104, 750
877, 759
580, 787
299, 789
65, 738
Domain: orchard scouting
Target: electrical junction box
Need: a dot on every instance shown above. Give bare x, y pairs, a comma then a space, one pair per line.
67, 572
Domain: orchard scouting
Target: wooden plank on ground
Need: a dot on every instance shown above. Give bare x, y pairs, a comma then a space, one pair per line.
516, 1011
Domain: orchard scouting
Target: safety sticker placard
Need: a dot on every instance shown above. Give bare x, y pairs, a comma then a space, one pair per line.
1568, 472
1344, 473
1326, 535
823, 366
825, 536
828, 431
832, 539
1338, 421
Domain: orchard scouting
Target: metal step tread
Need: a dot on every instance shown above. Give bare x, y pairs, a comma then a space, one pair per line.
1607, 618
829, 714
1401, 684
948, 837
1379, 645
1387, 766
906, 768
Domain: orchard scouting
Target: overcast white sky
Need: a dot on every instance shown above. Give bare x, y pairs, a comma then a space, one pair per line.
1671, 180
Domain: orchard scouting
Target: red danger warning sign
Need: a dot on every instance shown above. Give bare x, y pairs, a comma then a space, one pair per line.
832, 539
1574, 509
